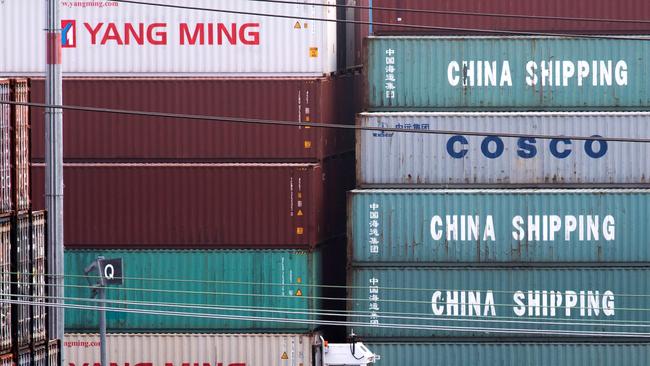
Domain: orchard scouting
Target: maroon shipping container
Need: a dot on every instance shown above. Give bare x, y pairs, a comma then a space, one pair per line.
591, 9
20, 144
102, 137
5, 285
38, 246
5, 147
21, 287
202, 205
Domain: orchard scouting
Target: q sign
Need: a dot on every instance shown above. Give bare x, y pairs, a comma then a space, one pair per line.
111, 271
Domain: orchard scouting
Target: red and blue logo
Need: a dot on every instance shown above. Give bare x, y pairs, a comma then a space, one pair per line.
68, 33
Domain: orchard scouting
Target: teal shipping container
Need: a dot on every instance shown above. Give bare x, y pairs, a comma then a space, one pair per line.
280, 284
436, 302
511, 354
506, 73
489, 226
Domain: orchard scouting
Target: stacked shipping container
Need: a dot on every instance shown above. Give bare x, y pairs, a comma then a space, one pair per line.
505, 276
266, 202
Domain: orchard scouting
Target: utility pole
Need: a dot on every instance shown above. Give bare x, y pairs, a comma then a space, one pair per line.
54, 170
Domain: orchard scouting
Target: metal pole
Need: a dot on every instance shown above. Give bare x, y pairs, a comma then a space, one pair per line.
54, 168
102, 324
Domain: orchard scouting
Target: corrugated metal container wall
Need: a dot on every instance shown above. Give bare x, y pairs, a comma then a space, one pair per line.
7, 360
387, 159
506, 73
202, 205
20, 144
111, 38
282, 284
39, 356
114, 137
38, 276
5, 283
22, 269
24, 358
5, 147
192, 349
529, 302
53, 355
518, 16
482, 226
510, 354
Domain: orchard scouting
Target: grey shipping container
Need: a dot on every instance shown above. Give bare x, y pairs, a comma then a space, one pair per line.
400, 159
510, 353
22, 279
24, 357
53, 354
38, 276
5, 285
5, 146
482, 226
39, 355
433, 302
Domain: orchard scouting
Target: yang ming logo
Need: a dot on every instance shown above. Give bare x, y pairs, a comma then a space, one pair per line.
68, 33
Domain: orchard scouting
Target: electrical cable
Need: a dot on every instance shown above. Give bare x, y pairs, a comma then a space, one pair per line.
340, 323
411, 26
324, 124
461, 13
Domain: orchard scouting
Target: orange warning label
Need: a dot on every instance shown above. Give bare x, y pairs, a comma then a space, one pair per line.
298, 293
297, 25
299, 212
307, 144
284, 356
299, 279
300, 230
313, 52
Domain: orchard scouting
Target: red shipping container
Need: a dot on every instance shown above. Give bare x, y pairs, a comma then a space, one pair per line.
20, 125
591, 9
202, 205
103, 137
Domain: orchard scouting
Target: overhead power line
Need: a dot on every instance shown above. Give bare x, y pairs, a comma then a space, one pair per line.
460, 13
410, 26
325, 124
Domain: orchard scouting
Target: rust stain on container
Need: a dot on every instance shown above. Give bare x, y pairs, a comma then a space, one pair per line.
104, 137
202, 205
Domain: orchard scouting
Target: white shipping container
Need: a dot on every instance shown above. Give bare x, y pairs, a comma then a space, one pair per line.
113, 38
418, 159
192, 349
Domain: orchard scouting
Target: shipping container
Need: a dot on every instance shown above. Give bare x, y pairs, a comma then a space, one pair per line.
193, 349
433, 302
203, 205
38, 276
5, 285
394, 159
112, 38
20, 126
506, 73
53, 354
24, 357
39, 356
7, 359
511, 353
5, 146
22, 279
94, 137
483, 226
491, 16
276, 284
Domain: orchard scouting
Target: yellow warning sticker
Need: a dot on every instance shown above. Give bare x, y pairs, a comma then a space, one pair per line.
300, 230
297, 25
299, 212
313, 52
298, 293
299, 279
284, 356
307, 146
299, 194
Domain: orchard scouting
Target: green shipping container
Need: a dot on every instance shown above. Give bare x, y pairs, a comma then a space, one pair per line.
276, 283
506, 73
511, 354
483, 226
500, 302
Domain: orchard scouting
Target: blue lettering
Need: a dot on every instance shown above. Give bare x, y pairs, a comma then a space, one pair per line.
450, 147
560, 154
589, 148
485, 147
527, 147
